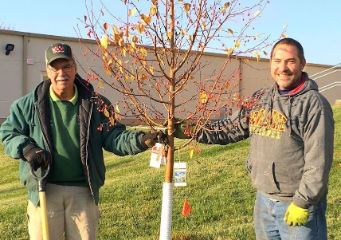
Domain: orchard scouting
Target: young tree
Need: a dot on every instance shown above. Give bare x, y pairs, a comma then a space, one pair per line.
154, 58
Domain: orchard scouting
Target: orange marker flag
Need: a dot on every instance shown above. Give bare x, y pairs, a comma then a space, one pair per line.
186, 209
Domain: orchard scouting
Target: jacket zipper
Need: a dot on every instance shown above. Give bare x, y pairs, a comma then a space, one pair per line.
86, 151
44, 136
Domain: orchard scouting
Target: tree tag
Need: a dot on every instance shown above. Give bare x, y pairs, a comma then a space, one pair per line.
180, 170
157, 156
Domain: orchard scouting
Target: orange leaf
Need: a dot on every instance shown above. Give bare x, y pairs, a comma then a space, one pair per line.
135, 39
105, 26
186, 209
140, 28
112, 121
146, 19
187, 7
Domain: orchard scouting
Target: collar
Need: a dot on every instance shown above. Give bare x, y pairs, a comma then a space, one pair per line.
55, 98
297, 89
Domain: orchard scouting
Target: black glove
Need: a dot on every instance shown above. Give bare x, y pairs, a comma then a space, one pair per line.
36, 157
150, 138
183, 130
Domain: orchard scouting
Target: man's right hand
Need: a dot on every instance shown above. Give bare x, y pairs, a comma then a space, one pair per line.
183, 130
36, 157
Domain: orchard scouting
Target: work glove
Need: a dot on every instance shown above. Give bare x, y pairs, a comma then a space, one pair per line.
183, 130
152, 137
296, 216
36, 157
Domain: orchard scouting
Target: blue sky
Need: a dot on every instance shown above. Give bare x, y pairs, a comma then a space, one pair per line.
316, 24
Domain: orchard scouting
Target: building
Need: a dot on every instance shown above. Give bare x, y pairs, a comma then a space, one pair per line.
22, 67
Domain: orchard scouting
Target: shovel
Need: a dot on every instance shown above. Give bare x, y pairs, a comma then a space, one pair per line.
42, 199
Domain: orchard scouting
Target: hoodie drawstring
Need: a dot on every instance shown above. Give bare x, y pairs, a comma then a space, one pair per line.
289, 115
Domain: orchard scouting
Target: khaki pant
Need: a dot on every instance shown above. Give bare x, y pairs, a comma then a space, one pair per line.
72, 214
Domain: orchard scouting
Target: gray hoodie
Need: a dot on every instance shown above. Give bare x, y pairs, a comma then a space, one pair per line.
291, 147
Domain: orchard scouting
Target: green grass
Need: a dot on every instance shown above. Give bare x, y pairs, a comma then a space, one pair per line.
219, 192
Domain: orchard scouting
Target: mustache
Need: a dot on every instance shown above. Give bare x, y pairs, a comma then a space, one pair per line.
62, 78
287, 72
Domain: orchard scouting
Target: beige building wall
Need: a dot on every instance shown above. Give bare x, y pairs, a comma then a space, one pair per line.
24, 68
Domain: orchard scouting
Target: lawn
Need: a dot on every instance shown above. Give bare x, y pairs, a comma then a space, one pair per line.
218, 190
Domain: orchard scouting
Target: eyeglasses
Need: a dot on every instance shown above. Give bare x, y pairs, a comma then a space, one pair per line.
67, 68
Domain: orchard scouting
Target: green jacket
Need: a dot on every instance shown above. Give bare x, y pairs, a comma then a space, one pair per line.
29, 121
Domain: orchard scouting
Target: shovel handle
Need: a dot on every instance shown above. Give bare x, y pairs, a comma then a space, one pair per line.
41, 179
42, 199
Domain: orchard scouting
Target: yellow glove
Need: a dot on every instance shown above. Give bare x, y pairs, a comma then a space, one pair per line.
296, 216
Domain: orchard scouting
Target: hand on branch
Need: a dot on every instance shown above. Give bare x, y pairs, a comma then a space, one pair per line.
183, 130
152, 137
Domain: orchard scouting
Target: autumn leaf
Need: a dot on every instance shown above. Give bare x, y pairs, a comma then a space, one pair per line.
117, 109
183, 31
237, 44
151, 69
106, 112
146, 19
116, 30
203, 24
105, 26
229, 51
169, 35
154, 2
104, 41
135, 39
187, 7
107, 72
124, 51
191, 152
140, 28
132, 12
227, 5
186, 208
112, 121
100, 84
230, 30
143, 51
153, 10
203, 98
227, 84
235, 97
119, 65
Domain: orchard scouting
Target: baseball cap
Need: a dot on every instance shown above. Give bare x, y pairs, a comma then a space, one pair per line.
57, 51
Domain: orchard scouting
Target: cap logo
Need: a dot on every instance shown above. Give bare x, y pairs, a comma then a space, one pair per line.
58, 49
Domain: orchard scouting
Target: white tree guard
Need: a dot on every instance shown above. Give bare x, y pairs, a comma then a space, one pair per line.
166, 211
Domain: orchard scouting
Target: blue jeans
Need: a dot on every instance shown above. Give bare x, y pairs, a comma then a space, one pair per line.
270, 225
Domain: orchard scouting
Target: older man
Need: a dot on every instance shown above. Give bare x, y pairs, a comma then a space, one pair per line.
58, 124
